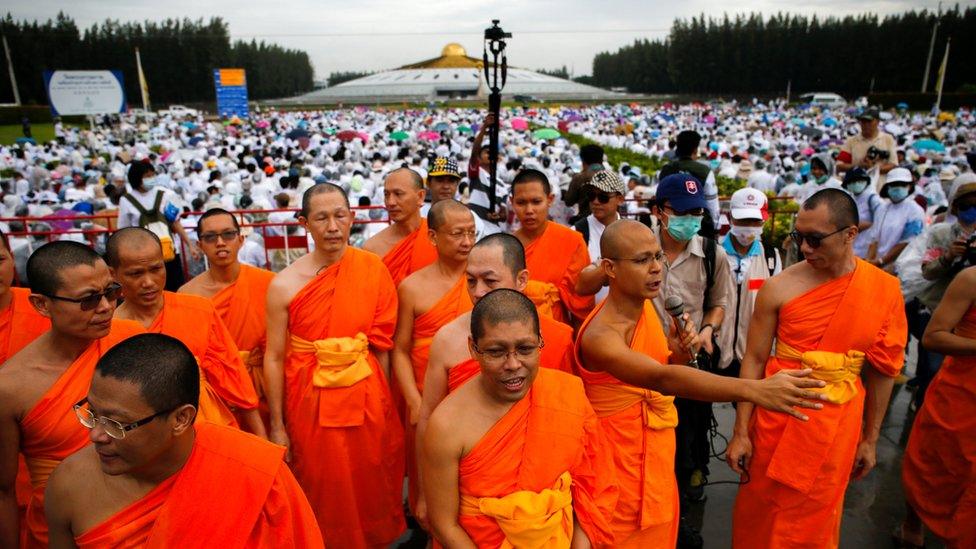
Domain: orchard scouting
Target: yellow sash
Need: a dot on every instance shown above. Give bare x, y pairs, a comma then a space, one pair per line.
608, 399
530, 519
340, 361
40, 469
839, 370
545, 296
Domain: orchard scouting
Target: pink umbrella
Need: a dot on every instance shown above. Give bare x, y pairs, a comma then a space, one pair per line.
429, 136
519, 124
262, 124
364, 136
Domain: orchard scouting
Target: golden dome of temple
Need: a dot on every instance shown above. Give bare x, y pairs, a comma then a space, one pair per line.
454, 50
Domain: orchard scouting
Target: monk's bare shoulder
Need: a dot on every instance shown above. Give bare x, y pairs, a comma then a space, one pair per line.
382, 242
19, 380
196, 286
450, 344
447, 421
290, 281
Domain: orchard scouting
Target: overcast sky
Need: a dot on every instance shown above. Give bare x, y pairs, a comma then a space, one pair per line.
363, 34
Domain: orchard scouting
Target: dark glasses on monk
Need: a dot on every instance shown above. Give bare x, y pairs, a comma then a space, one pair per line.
814, 240
89, 302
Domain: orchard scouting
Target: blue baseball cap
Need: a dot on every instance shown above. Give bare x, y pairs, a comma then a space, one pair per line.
682, 191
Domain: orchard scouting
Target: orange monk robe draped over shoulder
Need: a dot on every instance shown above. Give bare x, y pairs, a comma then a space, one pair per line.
410, 254
225, 382
241, 306
551, 431
20, 324
50, 431
346, 442
939, 468
191, 508
639, 426
800, 470
556, 258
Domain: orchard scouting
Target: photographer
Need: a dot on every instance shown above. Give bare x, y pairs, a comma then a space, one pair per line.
872, 149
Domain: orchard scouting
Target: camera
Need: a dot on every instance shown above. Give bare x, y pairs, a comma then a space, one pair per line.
875, 153
495, 33
969, 258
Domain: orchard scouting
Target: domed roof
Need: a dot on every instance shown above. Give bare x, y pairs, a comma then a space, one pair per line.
454, 50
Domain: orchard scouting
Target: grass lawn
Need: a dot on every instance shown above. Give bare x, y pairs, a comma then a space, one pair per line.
41, 133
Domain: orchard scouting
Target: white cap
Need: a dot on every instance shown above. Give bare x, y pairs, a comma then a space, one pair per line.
748, 203
899, 175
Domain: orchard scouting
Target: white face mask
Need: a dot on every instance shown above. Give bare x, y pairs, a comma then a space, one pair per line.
746, 235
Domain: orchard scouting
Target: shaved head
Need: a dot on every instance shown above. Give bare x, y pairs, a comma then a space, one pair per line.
171, 379
513, 252
502, 306
129, 237
415, 179
45, 265
439, 212
320, 188
617, 235
842, 208
213, 212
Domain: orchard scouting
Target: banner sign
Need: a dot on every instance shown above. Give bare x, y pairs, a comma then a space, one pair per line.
85, 92
231, 85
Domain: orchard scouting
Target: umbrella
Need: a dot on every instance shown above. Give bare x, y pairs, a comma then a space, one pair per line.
442, 127
262, 124
58, 221
464, 129
829, 122
810, 131
902, 106
519, 124
194, 140
297, 134
363, 135
399, 136
429, 136
546, 133
928, 145
235, 121
188, 125
563, 126
347, 135
25, 140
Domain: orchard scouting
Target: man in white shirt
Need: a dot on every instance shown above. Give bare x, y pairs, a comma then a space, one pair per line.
897, 221
605, 194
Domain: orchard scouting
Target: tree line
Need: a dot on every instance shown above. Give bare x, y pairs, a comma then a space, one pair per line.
749, 54
178, 58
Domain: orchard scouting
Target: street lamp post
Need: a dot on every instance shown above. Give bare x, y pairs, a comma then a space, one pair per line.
495, 75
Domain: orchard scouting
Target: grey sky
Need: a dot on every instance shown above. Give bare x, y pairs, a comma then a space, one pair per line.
555, 33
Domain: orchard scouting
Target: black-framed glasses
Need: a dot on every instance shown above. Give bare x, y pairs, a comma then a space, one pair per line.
226, 236
599, 196
112, 428
89, 302
814, 240
498, 356
642, 259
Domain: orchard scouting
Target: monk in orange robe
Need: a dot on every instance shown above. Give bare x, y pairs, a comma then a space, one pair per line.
237, 291
939, 467
73, 288
516, 457
798, 472
429, 299
554, 254
169, 483
331, 316
136, 260
405, 245
624, 359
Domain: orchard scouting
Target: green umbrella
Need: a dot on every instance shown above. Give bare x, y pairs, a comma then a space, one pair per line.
464, 129
399, 136
546, 133
330, 131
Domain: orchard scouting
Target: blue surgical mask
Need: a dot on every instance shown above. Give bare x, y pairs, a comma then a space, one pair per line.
150, 182
897, 194
968, 216
858, 188
684, 227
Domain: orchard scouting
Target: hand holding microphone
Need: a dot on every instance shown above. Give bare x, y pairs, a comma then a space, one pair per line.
683, 326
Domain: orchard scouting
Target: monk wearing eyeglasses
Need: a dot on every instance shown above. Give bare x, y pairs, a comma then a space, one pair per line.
429, 299
154, 477
405, 245
71, 286
237, 291
135, 257
554, 254
516, 457
798, 471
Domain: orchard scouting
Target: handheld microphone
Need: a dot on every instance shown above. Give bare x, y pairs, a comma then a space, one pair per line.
676, 307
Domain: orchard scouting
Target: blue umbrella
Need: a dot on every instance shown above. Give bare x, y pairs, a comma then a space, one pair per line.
194, 140
188, 125
902, 106
928, 145
829, 122
25, 140
441, 127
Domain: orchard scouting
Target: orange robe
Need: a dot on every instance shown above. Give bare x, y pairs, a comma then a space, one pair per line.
549, 432
192, 507
346, 441
241, 306
939, 467
639, 425
800, 470
410, 254
20, 324
50, 430
224, 381
555, 260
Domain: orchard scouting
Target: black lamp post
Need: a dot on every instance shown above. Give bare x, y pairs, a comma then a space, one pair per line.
495, 75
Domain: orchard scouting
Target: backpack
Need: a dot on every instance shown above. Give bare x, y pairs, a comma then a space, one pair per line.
154, 221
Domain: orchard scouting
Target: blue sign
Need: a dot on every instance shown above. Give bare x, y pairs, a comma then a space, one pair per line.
231, 86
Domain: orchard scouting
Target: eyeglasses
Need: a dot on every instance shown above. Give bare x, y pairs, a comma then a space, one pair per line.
499, 356
112, 428
89, 302
814, 240
461, 234
641, 260
600, 197
226, 236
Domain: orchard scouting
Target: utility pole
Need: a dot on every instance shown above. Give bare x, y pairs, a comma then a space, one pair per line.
10, 67
928, 61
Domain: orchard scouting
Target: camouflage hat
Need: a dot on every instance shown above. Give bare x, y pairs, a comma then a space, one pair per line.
444, 166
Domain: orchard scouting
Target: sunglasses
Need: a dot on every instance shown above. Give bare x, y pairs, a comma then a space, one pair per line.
226, 236
600, 197
89, 302
814, 240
